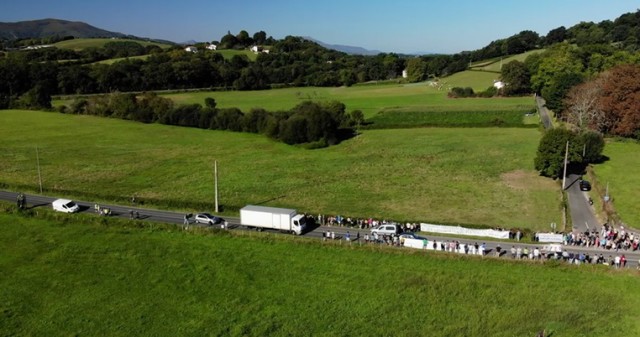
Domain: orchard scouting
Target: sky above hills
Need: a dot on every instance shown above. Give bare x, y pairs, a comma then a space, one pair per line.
406, 26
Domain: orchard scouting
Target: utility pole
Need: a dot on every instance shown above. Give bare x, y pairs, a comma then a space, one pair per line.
566, 159
38, 164
215, 176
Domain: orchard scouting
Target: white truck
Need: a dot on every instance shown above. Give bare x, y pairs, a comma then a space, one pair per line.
283, 219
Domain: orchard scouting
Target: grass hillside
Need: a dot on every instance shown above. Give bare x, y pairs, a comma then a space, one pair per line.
229, 53
451, 175
79, 44
112, 61
51, 27
623, 181
64, 277
371, 98
493, 65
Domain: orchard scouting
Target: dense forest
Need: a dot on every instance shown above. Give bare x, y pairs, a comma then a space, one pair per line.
571, 57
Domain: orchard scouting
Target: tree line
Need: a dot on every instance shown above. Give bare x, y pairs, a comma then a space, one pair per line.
310, 123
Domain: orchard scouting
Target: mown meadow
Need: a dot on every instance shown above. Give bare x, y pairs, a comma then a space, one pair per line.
370, 98
80, 275
443, 175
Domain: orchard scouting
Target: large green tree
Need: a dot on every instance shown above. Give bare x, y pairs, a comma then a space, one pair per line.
551, 150
517, 78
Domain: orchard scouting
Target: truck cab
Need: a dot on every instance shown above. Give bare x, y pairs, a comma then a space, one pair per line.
299, 224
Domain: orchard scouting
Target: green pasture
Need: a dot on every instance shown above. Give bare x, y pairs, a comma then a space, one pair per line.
450, 175
370, 98
230, 53
411, 119
494, 65
112, 61
77, 277
79, 44
621, 172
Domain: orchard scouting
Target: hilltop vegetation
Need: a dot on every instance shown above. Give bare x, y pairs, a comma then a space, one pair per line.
81, 44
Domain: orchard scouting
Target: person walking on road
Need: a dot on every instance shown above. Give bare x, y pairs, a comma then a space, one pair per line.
21, 201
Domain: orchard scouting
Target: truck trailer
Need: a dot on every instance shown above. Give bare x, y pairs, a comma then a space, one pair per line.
283, 219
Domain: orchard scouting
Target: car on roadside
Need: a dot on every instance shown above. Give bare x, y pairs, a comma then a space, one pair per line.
585, 185
65, 206
387, 229
207, 219
411, 235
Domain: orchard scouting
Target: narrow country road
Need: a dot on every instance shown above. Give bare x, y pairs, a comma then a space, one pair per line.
38, 201
582, 214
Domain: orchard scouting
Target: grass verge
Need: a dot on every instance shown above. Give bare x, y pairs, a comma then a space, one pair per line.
71, 277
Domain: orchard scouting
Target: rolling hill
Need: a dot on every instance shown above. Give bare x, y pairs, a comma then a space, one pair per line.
51, 27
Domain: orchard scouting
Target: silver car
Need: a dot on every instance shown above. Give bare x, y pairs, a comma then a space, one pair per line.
207, 219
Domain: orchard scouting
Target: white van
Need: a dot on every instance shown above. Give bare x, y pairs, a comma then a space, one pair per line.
65, 206
387, 229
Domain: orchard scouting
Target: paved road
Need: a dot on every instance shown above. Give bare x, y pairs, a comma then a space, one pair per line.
37, 201
582, 214
544, 113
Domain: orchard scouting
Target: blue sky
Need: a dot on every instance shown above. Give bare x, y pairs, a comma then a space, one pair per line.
446, 26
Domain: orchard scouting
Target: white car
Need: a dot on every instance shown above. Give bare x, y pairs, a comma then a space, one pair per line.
65, 206
207, 219
387, 229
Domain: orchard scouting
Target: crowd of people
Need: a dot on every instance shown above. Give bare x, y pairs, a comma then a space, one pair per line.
607, 238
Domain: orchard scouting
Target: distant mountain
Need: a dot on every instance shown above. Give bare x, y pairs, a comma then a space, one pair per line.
351, 50
51, 27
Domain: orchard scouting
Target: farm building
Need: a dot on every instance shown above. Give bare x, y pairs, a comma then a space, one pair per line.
191, 49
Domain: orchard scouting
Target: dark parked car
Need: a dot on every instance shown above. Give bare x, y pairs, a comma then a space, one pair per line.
585, 186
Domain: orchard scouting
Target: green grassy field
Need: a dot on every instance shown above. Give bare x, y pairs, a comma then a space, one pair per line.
369, 98
79, 278
451, 175
230, 53
493, 65
112, 61
412, 119
621, 174
79, 44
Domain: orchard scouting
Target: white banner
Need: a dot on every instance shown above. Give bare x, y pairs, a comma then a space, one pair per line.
550, 237
457, 230
414, 243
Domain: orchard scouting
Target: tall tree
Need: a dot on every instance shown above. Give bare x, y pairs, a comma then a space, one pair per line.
582, 106
549, 159
620, 100
516, 76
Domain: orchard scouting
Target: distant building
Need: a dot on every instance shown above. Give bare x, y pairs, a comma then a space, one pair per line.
405, 74
256, 49
212, 47
498, 84
191, 49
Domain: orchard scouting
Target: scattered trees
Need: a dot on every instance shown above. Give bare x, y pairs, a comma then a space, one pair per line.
308, 122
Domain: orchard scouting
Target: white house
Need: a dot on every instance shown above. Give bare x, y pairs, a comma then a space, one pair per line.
191, 49
498, 84
212, 47
405, 74
256, 49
